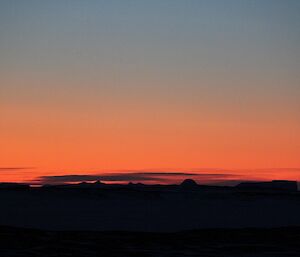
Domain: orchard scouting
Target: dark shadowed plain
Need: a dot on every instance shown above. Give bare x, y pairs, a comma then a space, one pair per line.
249, 242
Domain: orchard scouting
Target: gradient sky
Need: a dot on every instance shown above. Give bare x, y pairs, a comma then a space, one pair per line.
91, 86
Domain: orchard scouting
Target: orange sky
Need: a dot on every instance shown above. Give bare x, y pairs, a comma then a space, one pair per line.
58, 142
156, 85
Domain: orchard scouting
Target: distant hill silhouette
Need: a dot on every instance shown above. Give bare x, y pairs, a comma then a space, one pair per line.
14, 186
274, 185
189, 183
144, 207
285, 185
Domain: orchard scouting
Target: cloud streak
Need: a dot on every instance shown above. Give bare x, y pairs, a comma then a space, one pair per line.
202, 176
15, 168
143, 177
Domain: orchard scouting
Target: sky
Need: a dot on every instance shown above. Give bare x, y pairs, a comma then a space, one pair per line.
99, 87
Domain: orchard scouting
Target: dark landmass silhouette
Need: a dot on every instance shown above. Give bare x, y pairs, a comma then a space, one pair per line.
154, 208
189, 183
273, 185
14, 186
86, 219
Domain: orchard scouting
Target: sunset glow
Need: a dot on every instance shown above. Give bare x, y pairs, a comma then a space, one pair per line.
150, 86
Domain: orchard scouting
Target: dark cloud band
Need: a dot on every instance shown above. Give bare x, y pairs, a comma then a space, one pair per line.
153, 177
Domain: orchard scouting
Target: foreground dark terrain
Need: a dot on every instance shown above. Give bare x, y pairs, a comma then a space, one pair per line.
136, 220
274, 242
93, 207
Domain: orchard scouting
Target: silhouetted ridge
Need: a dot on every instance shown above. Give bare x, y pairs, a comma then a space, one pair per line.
98, 183
285, 185
13, 186
189, 183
